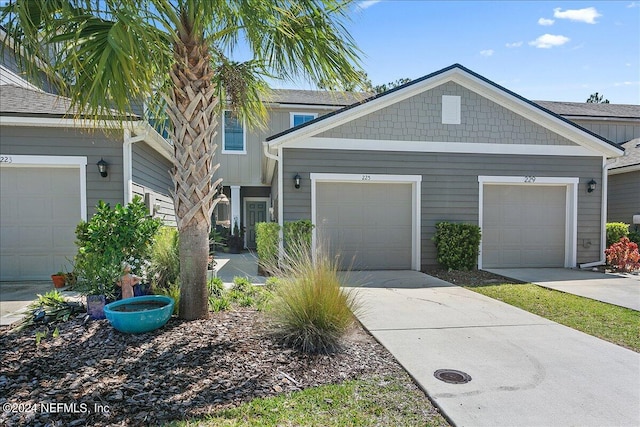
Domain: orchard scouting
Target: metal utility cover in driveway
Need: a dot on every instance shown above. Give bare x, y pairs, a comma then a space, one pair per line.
526, 370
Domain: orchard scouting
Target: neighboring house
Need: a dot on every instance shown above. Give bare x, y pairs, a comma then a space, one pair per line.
619, 124
452, 146
624, 186
243, 165
50, 181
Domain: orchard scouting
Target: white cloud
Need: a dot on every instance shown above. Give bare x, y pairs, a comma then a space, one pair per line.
487, 52
547, 41
617, 84
634, 4
516, 44
545, 22
362, 5
587, 15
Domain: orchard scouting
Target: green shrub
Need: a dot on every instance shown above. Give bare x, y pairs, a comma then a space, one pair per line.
615, 231
165, 258
121, 234
267, 243
219, 303
215, 287
634, 236
173, 291
297, 233
457, 245
310, 309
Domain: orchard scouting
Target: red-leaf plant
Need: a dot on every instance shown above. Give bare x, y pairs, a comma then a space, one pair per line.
623, 255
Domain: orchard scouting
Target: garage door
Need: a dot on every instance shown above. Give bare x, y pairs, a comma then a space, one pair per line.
367, 224
39, 209
523, 226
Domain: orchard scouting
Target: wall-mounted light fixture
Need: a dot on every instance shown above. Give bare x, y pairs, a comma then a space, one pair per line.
591, 186
102, 167
296, 180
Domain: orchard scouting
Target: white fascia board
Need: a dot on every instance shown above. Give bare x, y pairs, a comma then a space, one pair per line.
154, 139
624, 169
54, 122
362, 109
350, 177
440, 147
536, 115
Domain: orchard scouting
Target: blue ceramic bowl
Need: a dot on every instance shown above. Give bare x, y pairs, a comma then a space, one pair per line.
139, 314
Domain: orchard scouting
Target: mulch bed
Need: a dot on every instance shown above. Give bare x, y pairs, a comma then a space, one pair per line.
469, 278
185, 369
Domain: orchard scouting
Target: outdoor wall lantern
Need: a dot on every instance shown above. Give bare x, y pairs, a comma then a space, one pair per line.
296, 180
591, 186
102, 167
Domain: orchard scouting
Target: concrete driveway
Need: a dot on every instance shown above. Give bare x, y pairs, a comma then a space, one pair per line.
525, 370
16, 296
618, 289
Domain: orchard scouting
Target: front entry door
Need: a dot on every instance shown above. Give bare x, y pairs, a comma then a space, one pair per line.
256, 212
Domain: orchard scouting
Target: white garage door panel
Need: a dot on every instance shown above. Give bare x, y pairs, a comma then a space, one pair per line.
368, 224
40, 209
523, 226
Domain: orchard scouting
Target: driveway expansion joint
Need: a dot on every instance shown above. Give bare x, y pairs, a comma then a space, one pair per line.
460, 327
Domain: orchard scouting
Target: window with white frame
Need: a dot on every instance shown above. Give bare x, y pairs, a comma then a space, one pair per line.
299, 118
233, 136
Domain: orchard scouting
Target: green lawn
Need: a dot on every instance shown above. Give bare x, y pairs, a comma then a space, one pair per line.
612, 323
391, 401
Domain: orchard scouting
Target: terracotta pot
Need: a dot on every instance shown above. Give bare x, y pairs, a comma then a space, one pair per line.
58, 280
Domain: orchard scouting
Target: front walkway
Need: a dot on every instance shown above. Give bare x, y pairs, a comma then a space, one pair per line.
618, 289
525, 370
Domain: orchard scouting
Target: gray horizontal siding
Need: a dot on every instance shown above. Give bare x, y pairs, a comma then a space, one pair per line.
449, 185
419, 118
624, 197
37, 141
614, 131
166, 212
150, 169
246, 169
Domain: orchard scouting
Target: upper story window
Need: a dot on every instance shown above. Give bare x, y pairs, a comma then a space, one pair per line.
233, 137
299, 118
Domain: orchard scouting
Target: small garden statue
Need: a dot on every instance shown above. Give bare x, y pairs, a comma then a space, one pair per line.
127, 282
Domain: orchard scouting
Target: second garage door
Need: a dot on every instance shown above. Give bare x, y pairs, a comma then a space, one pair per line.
368, 224
523, 226
38, 215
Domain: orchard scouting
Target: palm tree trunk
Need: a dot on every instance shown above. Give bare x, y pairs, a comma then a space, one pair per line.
192, 109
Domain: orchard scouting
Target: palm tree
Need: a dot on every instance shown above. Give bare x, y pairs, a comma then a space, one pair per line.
115, 53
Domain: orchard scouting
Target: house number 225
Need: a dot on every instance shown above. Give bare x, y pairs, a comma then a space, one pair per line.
529, 179
366, 177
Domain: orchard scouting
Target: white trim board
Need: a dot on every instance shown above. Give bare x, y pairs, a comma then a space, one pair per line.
413, 180
79, 162
571, 206
439, 147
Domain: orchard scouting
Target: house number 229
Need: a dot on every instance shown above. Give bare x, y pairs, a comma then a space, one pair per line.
366, 177
529, 179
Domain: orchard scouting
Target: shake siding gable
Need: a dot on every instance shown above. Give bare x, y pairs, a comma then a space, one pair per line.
449, 188
419, 118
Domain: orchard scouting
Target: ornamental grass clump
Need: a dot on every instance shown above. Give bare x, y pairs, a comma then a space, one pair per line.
310, 309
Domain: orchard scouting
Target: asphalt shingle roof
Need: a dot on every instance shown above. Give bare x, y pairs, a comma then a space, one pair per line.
315, 97
585, 109
631, 155
21, 101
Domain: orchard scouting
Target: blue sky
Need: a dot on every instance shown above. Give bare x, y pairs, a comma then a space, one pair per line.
542, 50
